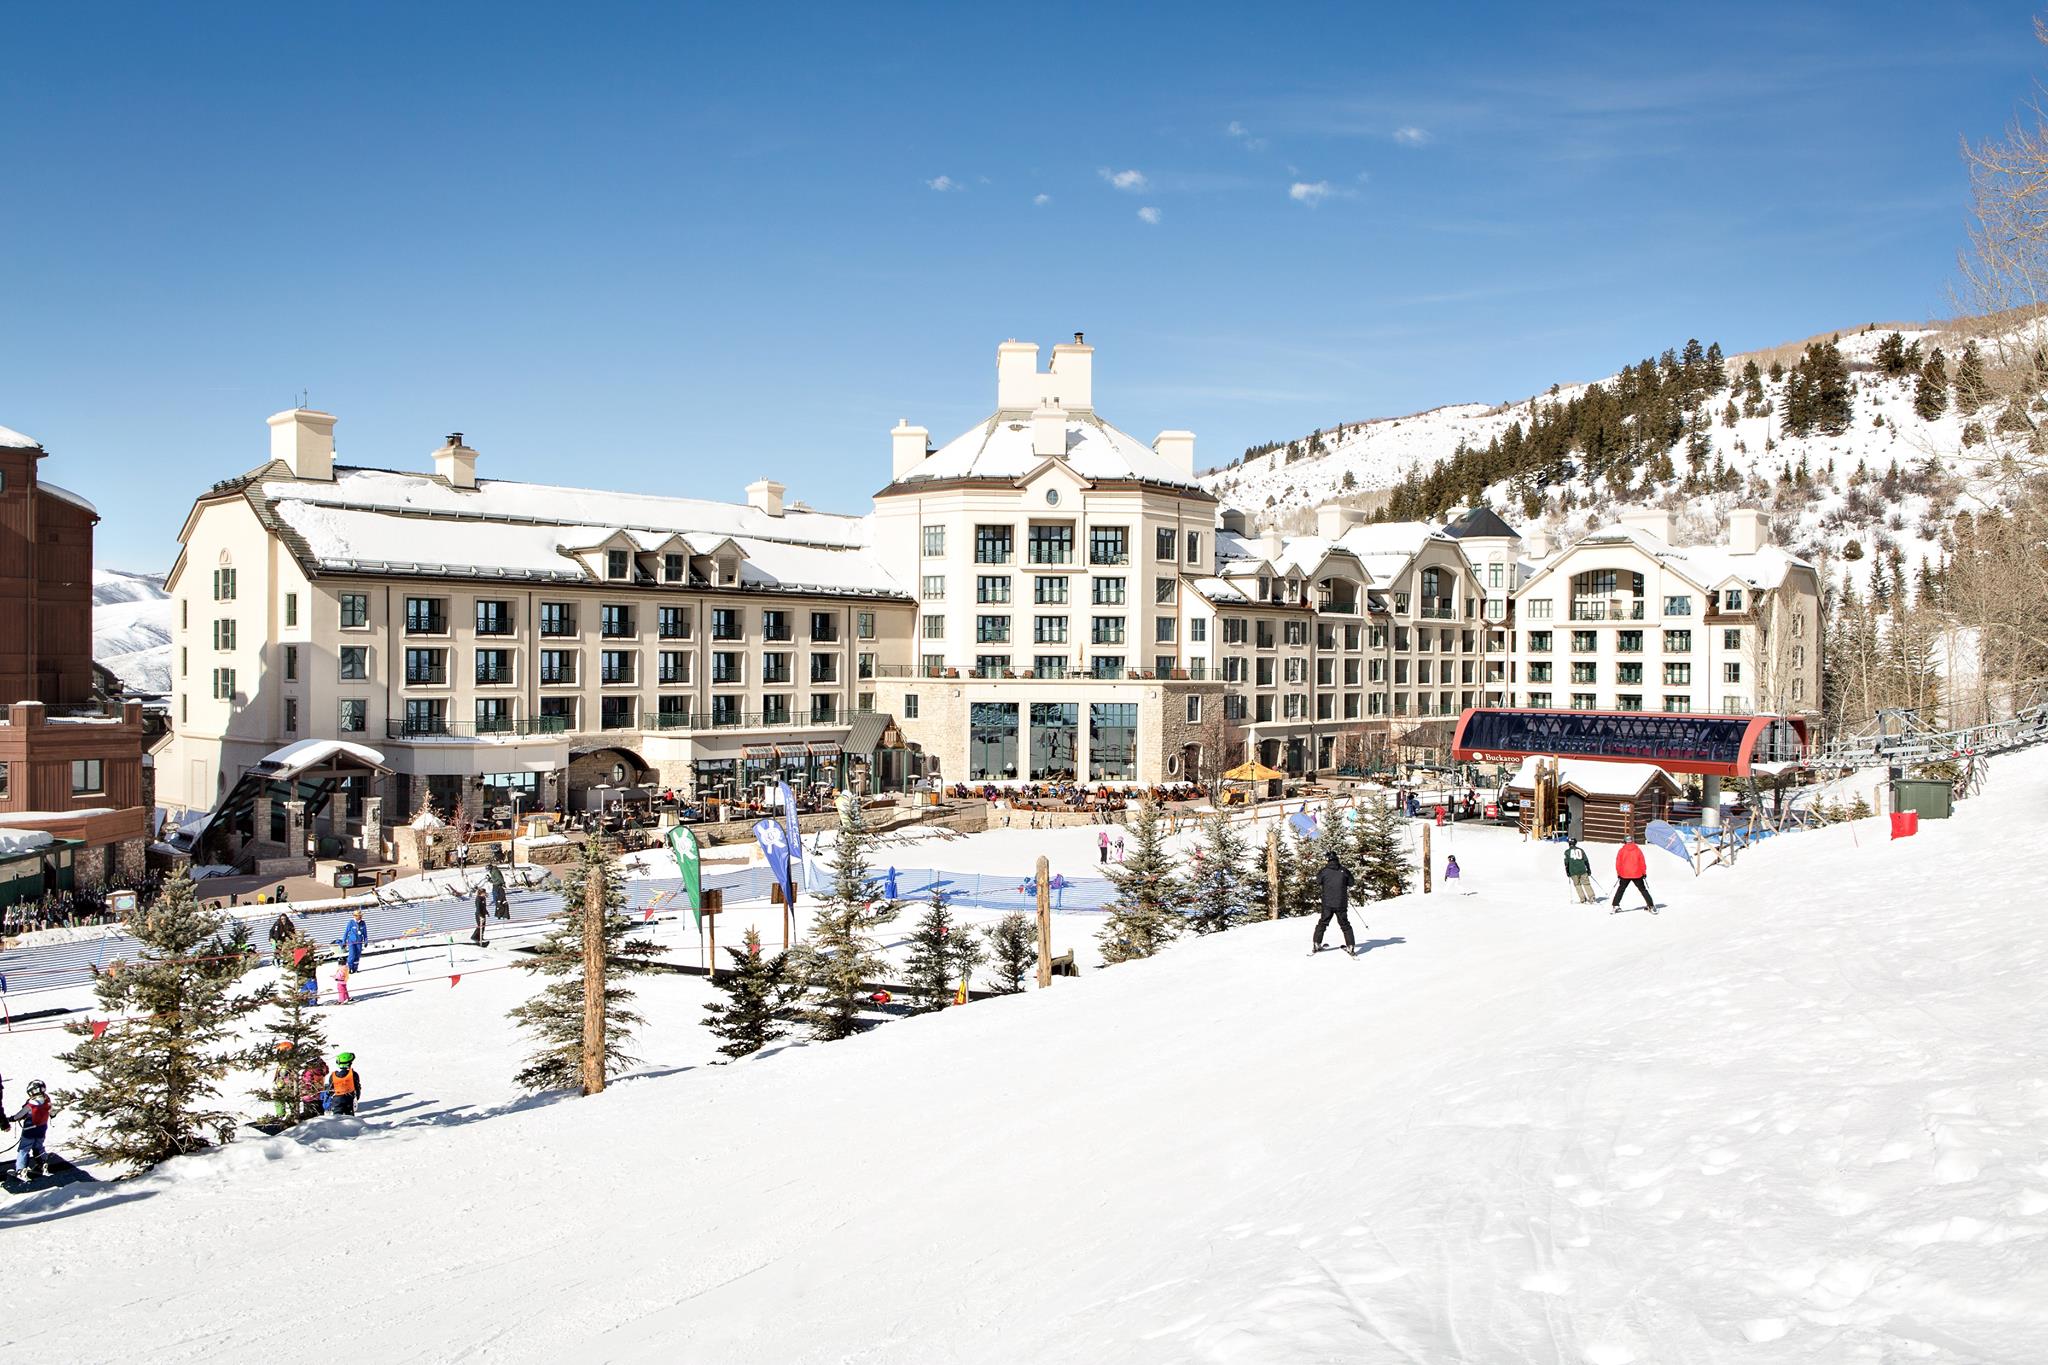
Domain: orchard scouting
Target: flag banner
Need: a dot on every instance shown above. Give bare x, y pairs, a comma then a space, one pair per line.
1304, 825
774, 843
796, 838
682, 842
1668, 837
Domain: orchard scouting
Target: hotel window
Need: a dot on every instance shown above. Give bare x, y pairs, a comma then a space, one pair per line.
184, 661
775, 626
825, 710
1731, 639
1106, 666
672, 568
1493, 574
355, 663
423, 616
615, 622
1295, 670
673, 623
866, 666
1799, 689
991, 665
291, 663
1628, 701
1538, 672
824, 628
1539, 642
291, 608
775, 668
1678, 606
1628, 642
864, 625
1198, 630
933, 664
1163, 542
824, 668
1585, 642
728, 667
1163, 630
493, 715
1731, 673
675, 667
615, 666
87, 776
426, 668
1677, 704
1265, 672
494, 666
1234, 632
1050, 591
991, 630
1628, 675
556, 620
995, 544
1678, 642
617, 563
615, 713
1107, 630
223, 684
1049, 630
992, 588
558, 666
223, 585
934, 541
725, 623
1678, 675
557, 714
224, 633
1109, 592
1194, 554
1540, 700
934, 589
355, 715
910, 706
1049, 665
934, 627
1109, 545
1538, 610
1233, 706
1050, 544
1584, 701
1162, 590
1731, 599
1233, 669
1798, 655
1294, 632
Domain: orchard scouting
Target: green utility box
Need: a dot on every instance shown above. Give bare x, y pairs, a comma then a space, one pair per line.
1934, 800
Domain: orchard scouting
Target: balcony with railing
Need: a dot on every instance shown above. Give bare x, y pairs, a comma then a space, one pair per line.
440, 727
1608, 609
1438, 609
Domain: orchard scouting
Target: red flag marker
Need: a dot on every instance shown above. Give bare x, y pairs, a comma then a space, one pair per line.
455, 978
298, 956
647, 914
99, 1026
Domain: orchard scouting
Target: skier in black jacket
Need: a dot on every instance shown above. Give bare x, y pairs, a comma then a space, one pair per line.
1335, 881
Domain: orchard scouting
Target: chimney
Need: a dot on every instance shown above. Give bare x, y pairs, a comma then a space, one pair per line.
455, 463
1177, 448
1271, 543
1018, 388
1746, 530
1049, 431
304, 439
1537, 545
1333, 519
1655, 520
1072, 374
907, 446
765, 495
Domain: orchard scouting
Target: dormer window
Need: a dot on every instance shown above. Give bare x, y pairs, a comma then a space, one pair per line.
672, 568
618, 564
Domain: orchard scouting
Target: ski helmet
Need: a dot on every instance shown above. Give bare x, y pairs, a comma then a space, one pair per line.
37, 1088
344, 1058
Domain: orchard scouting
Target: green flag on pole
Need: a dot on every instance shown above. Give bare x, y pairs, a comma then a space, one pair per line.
683, 844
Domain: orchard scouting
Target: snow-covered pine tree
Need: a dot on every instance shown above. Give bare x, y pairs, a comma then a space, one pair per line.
1013, 944
1146, 914
555, 1016
760, 993
942, 955
841, 952
151, 1077
1382, 855
296, 1035
1220, 880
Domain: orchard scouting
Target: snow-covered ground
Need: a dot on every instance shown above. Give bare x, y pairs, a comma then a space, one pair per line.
1798, 1116
131, 628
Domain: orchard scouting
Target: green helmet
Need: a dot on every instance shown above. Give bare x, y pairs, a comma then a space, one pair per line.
345, 1058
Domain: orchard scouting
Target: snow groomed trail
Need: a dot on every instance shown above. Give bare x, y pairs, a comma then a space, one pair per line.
1799, 1116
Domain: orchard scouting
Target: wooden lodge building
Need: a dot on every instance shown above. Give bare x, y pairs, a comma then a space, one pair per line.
1598, 802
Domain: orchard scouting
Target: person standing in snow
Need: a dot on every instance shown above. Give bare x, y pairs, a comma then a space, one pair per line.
281, 932
1102, 847
1334, 881
341, 984
1629, 871
1119, 849
312, 1081
483, 915
34, 1118
354, 935
1450, 871
344, 1085
1580, 870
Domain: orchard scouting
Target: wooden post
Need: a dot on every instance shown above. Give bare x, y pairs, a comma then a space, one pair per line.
1044, 924
593, 977
1273, 873
1425, 857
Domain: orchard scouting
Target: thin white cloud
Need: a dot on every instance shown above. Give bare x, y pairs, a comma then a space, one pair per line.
1310, 192
1148, 214
945, 184
1411, 136
1041, 199
1124, 180
1243, 136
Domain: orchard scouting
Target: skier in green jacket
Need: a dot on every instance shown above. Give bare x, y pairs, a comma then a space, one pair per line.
1580, 871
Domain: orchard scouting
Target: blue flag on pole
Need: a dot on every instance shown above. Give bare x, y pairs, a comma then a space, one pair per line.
775, 847
796, 837
1668, 837
1304, 824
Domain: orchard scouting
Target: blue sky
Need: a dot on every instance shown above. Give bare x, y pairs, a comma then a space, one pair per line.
676, 247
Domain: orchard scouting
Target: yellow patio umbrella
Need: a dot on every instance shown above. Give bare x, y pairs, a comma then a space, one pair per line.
1253, 772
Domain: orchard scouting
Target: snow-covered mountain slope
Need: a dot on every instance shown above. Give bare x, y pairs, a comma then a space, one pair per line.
131, 628
1798, 1116
1819, 519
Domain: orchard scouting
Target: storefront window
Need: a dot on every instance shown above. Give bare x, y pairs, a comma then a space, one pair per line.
1113, 741
1055, 741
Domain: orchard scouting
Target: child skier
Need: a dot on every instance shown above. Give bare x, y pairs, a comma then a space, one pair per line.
344, 1085
34, 1118
312, 1081
341, 984
1450, 871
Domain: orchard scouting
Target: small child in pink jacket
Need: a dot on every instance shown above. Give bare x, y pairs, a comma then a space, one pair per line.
341, 983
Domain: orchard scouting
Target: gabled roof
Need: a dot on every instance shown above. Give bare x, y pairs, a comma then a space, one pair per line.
1482, 522
1000, 446
1592, 776
1706, 567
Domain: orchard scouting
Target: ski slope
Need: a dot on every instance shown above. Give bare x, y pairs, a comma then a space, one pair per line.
1798, 1116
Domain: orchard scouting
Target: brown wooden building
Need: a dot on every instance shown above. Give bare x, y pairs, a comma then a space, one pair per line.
67, 767
1599, 802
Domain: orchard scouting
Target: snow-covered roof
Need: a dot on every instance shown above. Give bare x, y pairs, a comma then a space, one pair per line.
1592, 776
13, 440
311, 753
15, 842
427, 820
1000, 446
380, 520
1705, 565
66, 494
1220, 590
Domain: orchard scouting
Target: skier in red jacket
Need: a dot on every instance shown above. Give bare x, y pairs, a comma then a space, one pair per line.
1629, 871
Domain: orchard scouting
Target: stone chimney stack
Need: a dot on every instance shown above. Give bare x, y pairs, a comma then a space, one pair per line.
1177, 448
1746, 530
907, 445
304, 439
1049, 431
765, 495
455, 463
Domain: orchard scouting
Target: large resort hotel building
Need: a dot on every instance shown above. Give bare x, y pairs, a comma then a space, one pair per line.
1042, 598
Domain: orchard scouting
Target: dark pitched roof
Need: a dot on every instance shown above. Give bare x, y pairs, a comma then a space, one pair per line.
1478, 521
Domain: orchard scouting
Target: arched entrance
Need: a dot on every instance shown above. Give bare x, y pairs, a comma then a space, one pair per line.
599, 775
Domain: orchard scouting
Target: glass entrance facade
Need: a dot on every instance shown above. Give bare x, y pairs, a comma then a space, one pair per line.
992, 741
1113, 741
1055, 741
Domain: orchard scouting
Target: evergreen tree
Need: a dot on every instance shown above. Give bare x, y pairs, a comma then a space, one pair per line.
1972, 390
1222, 884
297, 1038
760, 995
1930, 392
841, 952
1146, 914
1891, 355
555, 1016
171, 1023
1013, 943
942, 955
1382, 857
